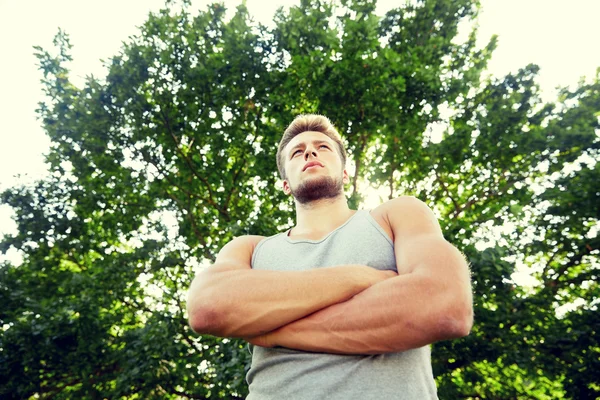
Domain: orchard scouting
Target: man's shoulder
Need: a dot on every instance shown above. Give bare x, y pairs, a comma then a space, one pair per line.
400, 205
255, 241
245, 241
403, 213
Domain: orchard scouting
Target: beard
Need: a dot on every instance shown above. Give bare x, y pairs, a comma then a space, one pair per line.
318, 189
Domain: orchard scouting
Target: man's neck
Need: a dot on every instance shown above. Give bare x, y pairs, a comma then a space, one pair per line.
321, 216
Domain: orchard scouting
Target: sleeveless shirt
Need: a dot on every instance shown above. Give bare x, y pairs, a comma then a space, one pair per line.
282, 373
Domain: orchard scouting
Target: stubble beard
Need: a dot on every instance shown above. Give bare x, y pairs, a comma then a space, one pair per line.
321, 188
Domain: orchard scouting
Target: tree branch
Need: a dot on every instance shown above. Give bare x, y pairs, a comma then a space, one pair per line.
457, 208
391, 180
190, 165
190, 215
358, 162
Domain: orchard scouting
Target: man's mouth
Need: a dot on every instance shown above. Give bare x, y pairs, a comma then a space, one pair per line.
312, 164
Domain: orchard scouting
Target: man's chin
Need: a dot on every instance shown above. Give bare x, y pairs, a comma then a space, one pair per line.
320, 188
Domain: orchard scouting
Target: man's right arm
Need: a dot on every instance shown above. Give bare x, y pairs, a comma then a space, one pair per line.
230, 299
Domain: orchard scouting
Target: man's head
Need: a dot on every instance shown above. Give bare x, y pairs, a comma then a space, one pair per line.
311, 160
308, 123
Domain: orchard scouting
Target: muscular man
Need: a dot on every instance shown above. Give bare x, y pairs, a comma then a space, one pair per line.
344, 304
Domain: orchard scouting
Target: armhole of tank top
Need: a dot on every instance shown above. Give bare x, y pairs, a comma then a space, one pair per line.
378, 227
256, 250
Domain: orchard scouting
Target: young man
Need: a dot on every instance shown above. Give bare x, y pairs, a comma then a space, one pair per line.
344, 304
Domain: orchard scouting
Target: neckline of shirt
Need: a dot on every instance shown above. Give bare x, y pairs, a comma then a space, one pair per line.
290, 240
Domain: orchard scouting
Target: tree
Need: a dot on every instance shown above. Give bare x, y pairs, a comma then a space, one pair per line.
160, 163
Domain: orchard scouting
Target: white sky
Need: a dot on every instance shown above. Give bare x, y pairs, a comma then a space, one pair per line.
560, 36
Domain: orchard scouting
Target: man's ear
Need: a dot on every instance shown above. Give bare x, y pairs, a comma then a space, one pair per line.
345, 178
286, 187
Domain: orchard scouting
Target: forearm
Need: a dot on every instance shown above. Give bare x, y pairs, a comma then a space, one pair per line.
246, 303
398, 314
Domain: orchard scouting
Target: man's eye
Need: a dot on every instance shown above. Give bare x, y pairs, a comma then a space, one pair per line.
323, 145
296, 152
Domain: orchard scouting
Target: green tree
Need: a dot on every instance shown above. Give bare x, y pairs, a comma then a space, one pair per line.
160, 163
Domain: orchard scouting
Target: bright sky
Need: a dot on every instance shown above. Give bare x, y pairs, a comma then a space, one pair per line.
561, 36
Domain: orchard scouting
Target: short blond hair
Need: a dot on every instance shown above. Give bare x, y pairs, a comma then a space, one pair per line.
308, 123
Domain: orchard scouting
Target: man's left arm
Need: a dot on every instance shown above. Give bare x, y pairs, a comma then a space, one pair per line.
430, 300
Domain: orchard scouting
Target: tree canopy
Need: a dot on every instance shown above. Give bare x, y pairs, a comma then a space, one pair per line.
158, 164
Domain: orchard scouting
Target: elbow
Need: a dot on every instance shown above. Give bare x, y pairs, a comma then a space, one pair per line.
461, 326
457, 323
204, 319
203, 314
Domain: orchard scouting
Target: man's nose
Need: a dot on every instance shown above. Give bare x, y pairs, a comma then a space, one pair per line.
310, 152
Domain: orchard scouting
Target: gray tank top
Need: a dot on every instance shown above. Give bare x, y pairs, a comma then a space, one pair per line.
282, 373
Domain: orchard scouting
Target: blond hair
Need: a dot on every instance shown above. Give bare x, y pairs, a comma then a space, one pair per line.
308, 123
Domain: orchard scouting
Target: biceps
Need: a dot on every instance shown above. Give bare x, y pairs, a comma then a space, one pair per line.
433, 256
237, 254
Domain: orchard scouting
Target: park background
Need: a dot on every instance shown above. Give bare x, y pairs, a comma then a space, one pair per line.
133, 199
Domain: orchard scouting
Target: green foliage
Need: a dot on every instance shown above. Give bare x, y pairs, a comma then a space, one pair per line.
160, 163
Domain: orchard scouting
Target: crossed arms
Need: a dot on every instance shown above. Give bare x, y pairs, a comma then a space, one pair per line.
347, 309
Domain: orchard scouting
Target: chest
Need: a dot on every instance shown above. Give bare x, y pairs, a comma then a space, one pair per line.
364, 246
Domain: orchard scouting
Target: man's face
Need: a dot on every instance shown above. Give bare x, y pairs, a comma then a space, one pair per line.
313, 168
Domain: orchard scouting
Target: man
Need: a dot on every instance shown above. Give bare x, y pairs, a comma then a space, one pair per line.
344, 304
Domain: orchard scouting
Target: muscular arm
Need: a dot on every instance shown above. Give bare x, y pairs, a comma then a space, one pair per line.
430, 299
230, 299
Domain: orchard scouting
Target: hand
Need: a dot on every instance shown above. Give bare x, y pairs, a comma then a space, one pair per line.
261, 340
388, 273
376, 275
368, 276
